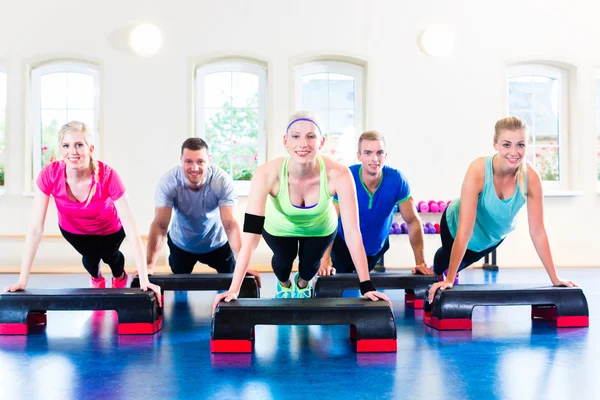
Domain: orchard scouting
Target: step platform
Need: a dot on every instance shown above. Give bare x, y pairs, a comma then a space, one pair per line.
200, 282
452, 309
372, 324
413, 285
138, 311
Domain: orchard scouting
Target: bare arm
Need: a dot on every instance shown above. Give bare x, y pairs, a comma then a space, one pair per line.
32, 239
415, 229
537, 230
472, 186
232, 229
131, 231
158, 234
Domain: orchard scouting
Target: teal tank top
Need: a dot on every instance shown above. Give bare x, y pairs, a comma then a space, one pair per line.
495, 218
282, 218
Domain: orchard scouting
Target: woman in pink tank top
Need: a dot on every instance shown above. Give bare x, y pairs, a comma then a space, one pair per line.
94, 214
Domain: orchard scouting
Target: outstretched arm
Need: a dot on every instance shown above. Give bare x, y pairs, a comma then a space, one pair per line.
32, 239
472, 186
259, 189
326, 268
346, 191
132, 233
415, 235
157, 235
537, 230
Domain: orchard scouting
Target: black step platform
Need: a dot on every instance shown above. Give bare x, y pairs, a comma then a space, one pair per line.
138, 311
372, 324
249, 287
452, 309
414, 285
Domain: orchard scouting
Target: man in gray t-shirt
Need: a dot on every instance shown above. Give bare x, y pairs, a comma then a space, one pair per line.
203, 198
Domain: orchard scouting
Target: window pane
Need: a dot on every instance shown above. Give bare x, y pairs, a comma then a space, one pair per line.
80, 91
519, 95
85, 116
315, 91
244, 90
53, 89
547, 161
341, 135
244, 146
217, 90
598, 127
2, 124
52, 121
217, 134
341, 92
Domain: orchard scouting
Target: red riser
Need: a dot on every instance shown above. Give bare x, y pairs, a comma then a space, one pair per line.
13, 329
36, 319
230, 346
454, 324
572, 321
140, 328
376, 346
353, 335
544, 313
411, 301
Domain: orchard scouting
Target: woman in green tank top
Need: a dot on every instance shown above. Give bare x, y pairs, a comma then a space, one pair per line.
291, 198
494, 190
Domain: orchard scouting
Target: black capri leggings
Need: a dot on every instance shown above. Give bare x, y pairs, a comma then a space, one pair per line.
94, 248
442, 256
285, 250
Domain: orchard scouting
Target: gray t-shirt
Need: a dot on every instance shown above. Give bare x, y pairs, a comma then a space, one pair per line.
196, 226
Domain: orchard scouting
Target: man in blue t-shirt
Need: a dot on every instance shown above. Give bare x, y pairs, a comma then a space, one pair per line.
204, 228
378, 188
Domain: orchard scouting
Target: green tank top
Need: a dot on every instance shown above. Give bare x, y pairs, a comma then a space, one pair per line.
282, 218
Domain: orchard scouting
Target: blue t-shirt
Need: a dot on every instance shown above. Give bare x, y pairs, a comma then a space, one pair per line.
376, 211
196, 226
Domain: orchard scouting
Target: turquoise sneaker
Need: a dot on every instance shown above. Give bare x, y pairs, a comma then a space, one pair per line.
284, 292
301, 293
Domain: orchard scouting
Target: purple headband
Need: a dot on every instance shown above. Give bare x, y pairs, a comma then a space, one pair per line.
304, 119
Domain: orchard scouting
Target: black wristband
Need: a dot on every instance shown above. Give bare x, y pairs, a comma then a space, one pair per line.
254, 223
367, 286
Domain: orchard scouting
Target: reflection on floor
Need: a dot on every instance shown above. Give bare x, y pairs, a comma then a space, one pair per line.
505, 356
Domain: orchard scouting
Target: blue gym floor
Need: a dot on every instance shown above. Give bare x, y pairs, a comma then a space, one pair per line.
505, 356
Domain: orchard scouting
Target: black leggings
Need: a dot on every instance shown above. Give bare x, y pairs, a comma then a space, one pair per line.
94, 248
442, 256
285, 250
183, 262
342, 260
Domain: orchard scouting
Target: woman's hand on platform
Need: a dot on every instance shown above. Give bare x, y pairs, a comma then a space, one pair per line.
145, 285
422, 269
15, 287
376, 296
438, 285
227, 297
560, 282
326, 270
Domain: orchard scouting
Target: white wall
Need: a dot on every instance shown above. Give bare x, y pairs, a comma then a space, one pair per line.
437, 114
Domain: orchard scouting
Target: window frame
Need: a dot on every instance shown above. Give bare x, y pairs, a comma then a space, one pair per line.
234, 65
353, 70
562, 75
52, 67
3, 70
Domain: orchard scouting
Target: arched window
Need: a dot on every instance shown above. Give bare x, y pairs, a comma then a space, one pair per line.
61, 92
231, 114
334, 91
538, 94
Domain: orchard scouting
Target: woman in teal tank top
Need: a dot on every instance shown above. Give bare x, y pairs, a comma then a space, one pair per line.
494, 190
291, 198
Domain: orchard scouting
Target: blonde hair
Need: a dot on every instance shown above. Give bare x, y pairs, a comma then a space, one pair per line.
370, 136
513, 124
77, 126
305, 115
